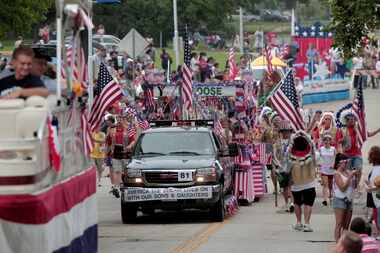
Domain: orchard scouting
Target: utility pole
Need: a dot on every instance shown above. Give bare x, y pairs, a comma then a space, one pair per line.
241, 31
175, 41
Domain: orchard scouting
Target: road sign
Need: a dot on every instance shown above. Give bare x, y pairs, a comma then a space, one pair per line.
133, 43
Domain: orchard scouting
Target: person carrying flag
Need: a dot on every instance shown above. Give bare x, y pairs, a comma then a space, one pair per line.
120, 142
353, 132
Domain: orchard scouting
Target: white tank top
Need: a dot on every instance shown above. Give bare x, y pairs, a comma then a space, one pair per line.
346, 194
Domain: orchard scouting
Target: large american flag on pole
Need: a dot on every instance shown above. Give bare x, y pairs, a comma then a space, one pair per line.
187, 75
107, 92
359, 111
285, 101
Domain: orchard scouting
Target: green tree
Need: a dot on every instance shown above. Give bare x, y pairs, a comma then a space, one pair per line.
150, 17
351, 20
19, 16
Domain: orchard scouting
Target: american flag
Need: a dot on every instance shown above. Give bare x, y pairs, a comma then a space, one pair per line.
359, 112
218, 128
187, 76
234, 71
268, 56
107, 92
76, 62
149, 99
87, 139
285, 101
131, 131
143, 123
263, 153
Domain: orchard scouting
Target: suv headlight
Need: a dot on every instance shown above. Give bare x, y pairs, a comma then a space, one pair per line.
206, 175
134, 173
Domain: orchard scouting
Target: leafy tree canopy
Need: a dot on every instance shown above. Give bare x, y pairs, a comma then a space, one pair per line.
351, 21
19, 16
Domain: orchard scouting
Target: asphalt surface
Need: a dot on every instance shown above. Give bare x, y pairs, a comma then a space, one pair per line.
259, 227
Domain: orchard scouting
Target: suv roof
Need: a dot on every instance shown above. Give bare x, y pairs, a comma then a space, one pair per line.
178, 129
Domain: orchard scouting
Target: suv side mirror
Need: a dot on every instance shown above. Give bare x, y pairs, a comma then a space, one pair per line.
233, 149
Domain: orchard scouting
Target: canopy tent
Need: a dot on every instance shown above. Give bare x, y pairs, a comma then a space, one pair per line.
262, 61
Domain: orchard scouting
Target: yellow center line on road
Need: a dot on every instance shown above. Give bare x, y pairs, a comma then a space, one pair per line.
200, 238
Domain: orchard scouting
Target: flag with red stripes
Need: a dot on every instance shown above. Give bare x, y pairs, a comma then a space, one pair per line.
87, 138
234, 71
219, 130
131, 131
358, 110
107, 92
54, 147
187, 76
285, 101
268, 56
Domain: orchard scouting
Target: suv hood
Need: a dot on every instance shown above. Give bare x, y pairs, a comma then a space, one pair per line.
172, 162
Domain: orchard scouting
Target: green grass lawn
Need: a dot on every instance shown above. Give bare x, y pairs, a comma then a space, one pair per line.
8, 46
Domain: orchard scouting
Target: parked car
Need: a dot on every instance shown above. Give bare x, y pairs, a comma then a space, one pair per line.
273, 15
108, 41
175, 168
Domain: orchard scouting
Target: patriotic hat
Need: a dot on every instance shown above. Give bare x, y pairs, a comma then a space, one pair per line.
343, 114
285, 126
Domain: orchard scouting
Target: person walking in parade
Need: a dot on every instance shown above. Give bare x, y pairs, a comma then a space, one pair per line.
280, 150
326, 164
302, 169
348, 143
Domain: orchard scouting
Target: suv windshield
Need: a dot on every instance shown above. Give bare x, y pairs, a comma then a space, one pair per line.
175, 143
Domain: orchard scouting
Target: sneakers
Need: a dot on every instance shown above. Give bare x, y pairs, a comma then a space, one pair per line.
307, 228
304, 228
115, 192
298, 227
291, 208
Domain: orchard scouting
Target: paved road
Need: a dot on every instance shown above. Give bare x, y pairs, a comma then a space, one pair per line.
257, 228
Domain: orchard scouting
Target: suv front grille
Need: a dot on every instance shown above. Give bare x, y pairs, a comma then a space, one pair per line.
161, 177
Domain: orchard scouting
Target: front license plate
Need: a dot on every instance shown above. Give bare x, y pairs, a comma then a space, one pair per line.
185, 176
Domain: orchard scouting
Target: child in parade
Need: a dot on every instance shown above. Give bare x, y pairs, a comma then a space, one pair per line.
280, 152
327, 155
99, 152
343, 194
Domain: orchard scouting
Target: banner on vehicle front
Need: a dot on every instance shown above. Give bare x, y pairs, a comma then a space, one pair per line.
134, 194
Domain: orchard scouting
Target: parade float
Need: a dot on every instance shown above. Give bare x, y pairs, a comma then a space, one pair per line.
47, 182
319, 66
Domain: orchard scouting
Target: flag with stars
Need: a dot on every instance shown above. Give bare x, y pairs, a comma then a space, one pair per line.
285, 101
187, 75
359, 111
107, 92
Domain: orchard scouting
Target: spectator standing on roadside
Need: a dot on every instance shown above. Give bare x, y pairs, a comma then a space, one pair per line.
101, 30
343, 195
360, 227
349, 242
19, 41
166, 61
373, 198
194, 64
203, 66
